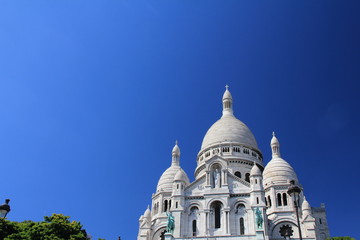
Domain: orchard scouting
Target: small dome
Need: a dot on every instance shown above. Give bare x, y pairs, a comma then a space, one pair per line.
278, 171
181, 176
229, 129
167, 178
255, 171
305, 205
147, 213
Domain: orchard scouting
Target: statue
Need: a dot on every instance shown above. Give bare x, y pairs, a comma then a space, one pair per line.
217, 178
259, 219
171, 223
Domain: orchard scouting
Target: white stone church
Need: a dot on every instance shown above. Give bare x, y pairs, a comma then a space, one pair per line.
234, 195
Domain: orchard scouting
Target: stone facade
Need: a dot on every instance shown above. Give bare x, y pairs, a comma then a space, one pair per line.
233, 196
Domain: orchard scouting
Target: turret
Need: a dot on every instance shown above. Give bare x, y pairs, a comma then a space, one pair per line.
257, 190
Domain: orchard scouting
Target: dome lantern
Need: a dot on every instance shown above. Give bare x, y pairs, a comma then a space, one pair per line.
275, 146
176, 154
227, 102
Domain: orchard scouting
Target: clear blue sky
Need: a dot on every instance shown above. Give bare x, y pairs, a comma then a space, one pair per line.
93, 95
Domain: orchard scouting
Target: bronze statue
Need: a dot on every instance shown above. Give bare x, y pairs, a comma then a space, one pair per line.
171, 223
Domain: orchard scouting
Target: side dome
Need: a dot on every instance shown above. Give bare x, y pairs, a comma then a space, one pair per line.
147, 213
181, 176
229, 129
278, 171
255, 170
171, 174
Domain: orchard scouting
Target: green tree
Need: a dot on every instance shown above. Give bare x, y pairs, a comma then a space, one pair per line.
55, 227
340, 238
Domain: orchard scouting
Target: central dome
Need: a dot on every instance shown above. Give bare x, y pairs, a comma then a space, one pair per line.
228, 128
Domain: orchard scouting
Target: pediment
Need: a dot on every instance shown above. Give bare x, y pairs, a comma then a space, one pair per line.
196, 187
237, 184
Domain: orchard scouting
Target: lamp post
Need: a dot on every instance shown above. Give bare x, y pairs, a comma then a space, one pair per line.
4, 208
294, 191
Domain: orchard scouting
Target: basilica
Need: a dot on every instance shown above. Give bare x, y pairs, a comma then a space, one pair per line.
234, 196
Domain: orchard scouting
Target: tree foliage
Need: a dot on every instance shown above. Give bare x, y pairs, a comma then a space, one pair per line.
340, 238
55, 227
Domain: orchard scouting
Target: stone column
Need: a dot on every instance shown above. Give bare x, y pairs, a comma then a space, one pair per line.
207, 221
224, 177
207, 178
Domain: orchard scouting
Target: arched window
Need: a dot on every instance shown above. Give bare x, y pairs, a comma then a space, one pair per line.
285, 199
269, 201
176, 204
165, 205
257, 200
242, 226
247, 177
217, 216
266, 203
194, 228
279, 199
238, 174
216, 208
169, 204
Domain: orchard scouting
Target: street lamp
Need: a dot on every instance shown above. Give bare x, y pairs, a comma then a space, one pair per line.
4, 208
294, 191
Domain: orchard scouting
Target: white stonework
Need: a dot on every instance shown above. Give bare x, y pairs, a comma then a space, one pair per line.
232, 191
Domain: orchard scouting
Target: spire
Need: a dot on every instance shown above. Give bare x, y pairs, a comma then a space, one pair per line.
227, 102
275, 146
176, 154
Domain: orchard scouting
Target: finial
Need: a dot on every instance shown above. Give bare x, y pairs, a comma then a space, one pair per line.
273, 134
227, 87
176, 142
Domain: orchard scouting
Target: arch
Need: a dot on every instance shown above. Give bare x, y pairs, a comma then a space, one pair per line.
216, 164
159, 234
238, 174
195, 204
236, 204
240, 209
247, 177
284, 221
209, 205
278, 198
194, 209
216, 208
